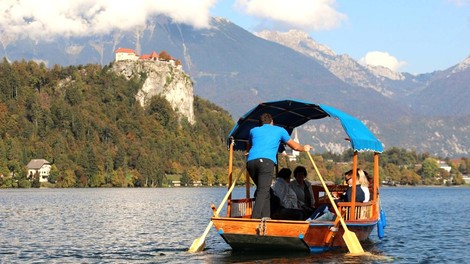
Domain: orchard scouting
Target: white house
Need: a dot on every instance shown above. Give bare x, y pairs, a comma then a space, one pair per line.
176, 183
40, 166
466, 178
443, 165
123, 54
197, 183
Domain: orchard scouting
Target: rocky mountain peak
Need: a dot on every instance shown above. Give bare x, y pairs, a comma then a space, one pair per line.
465, 64
297, 38
385, 72
342, 66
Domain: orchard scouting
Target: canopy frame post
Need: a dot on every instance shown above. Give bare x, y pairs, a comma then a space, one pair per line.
230, 172
376, 179
354, 186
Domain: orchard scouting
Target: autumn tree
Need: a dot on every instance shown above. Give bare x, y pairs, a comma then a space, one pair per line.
118, 178
67, 179
409, 177
164, 56
97, 180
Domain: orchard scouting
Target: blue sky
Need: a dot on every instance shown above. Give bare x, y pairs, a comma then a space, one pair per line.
415, 36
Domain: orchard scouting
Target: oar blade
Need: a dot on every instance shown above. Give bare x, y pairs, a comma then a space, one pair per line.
198, 245
353, 244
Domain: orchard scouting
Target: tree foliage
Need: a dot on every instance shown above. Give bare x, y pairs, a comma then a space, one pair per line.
400, 166
164, 56
87, 122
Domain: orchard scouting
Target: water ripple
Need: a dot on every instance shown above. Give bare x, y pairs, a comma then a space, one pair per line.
424, 225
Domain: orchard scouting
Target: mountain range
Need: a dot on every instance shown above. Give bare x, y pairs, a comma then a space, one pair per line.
236, 70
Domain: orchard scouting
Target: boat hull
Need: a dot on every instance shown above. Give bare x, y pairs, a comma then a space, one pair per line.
315, 236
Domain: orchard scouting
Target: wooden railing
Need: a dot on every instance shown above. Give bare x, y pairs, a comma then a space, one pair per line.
320, 196
241, 208
362, 211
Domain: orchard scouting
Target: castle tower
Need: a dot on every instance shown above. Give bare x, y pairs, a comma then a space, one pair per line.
294, 154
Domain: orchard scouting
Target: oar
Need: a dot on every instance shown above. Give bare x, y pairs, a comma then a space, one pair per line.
200, 242
350, 238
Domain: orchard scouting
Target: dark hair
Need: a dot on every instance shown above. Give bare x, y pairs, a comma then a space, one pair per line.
265, 119
300, 169
284, 173
349, 173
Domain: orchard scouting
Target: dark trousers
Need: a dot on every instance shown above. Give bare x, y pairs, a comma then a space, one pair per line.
261, 172
288, 214
319, 211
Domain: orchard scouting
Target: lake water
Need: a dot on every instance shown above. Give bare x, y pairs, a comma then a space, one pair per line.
424, 225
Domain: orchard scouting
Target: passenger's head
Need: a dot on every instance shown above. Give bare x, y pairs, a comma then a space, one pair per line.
265, 119
300, 173
285, 174
362, 178
348, 175
369, 178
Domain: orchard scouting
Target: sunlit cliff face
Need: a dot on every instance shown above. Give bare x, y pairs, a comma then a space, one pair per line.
163, 78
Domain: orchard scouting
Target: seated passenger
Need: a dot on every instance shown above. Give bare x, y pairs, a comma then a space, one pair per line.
288, 208
322, 213
303, 190
364, 182
346, 196
362, 195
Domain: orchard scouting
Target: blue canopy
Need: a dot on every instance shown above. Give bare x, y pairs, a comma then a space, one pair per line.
293, 113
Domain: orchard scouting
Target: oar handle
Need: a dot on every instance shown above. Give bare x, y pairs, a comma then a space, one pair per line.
332, 201
208, 228
228, 194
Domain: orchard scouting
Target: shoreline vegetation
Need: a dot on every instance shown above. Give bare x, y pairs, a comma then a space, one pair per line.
467, 185
85, 120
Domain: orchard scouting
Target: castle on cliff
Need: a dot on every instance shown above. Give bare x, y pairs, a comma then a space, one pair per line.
126, 54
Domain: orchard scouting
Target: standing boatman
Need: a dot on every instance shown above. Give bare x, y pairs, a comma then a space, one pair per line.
264, 143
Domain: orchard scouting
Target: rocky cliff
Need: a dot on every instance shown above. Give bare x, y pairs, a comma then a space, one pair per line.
161, 78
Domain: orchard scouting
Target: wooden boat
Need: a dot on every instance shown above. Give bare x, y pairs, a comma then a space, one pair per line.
243, 233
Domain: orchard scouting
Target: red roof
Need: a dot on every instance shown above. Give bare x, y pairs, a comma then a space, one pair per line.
125, 50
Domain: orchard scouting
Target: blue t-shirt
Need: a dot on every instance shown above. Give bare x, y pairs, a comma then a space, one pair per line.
265, 140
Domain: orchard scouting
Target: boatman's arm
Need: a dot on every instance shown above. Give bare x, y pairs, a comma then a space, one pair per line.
296, 146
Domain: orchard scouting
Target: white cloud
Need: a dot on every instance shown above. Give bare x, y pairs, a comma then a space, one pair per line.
304, 14
460, 2
379, 58
49, 18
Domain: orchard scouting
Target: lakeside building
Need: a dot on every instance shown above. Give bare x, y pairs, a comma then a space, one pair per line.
466, 178
40, 167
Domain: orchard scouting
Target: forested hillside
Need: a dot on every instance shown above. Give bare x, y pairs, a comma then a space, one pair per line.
86, 122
